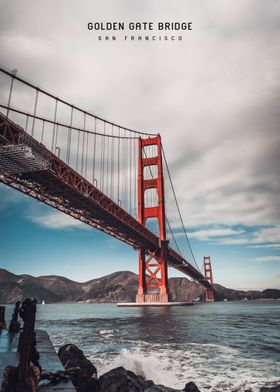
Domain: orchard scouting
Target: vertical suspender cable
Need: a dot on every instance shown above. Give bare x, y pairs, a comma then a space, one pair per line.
78, 150
121, 171
26, 124
69, 138
94, 152
112, 165
54, 120
107, 164
86, 152
102, 160
55, 146
83, 146
43, 130
56, 136
135, 176
125, 173
35, 109
10, 93
118, 176
130, 176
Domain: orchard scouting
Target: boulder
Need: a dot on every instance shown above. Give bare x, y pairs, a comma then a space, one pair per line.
115, 380
147, 383
120, 379
191, 387
86, 379
160, 388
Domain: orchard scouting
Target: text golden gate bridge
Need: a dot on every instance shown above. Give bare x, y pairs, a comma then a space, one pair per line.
108, 176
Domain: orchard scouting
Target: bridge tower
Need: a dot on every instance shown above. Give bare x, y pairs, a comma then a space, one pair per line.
153, 278
209, 293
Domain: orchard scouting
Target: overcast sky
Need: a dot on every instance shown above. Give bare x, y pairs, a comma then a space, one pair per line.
214, 97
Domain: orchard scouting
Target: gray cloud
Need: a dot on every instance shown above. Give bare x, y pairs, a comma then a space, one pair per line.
275, 259
56, 220
214, 97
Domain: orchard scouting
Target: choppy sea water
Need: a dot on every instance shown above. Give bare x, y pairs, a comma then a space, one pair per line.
230, 346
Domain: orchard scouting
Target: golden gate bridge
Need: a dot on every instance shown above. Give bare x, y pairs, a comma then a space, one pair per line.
110, 177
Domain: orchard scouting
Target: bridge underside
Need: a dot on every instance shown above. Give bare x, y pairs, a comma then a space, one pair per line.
30, 167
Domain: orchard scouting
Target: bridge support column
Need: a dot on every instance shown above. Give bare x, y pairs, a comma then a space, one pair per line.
153, 273
164, 272
209, 293
142, 279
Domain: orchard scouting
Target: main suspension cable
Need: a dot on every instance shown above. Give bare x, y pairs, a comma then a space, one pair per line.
39, 90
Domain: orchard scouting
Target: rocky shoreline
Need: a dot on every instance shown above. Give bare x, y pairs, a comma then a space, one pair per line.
118, 379
115, 380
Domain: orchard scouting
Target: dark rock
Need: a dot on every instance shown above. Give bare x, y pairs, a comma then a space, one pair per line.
141, 378
191, 387
120, 380
148, 383
160, 388
71, 356
270, 389
86, 379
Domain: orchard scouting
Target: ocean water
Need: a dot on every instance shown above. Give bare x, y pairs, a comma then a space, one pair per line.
232, 346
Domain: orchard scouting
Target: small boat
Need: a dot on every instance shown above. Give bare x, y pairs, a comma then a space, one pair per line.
43, 302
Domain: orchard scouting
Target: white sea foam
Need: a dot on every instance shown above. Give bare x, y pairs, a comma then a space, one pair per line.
212, 367
106, 331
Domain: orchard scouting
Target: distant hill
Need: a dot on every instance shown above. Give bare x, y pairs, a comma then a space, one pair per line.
116, 287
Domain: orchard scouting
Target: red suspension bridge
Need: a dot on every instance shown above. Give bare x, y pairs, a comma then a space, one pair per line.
110, 177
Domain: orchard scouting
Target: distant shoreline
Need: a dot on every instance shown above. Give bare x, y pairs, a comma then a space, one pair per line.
92, 302
117, 287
